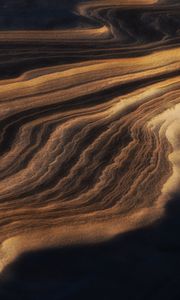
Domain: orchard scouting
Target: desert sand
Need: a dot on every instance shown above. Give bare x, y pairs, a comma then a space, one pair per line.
89, 148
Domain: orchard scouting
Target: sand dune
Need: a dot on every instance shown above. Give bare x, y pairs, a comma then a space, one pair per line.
89, 124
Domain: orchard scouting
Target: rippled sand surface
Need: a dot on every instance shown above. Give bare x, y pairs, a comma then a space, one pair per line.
89, 149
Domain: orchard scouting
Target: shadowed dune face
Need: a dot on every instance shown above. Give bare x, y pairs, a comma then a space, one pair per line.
89, 119
141, 264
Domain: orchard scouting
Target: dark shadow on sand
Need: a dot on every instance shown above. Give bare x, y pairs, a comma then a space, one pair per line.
40, 15
143, 264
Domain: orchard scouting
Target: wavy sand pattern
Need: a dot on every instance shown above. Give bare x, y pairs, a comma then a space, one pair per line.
90, 124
